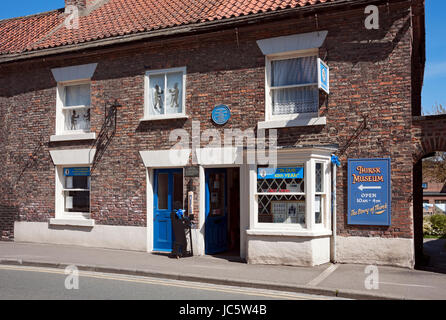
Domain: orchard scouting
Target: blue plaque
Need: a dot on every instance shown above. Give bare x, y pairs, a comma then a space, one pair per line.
369, 192
76, 172
221, 114
280, 173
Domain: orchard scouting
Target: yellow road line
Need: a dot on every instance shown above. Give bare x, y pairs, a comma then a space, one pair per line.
177, 283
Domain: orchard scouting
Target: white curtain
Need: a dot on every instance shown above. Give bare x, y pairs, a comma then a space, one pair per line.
294, 72
78, 119
78, 95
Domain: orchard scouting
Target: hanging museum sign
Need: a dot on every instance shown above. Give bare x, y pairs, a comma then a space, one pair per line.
369, 192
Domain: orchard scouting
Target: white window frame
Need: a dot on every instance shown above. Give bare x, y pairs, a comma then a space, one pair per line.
310, 227
268, 89
147, 115
60, 108
61, 214
325, 197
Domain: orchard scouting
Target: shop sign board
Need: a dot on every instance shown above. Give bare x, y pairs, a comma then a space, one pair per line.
369, 192
280, 173
192, 172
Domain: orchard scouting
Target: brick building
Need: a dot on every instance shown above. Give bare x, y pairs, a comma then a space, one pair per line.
434, 197
91, 108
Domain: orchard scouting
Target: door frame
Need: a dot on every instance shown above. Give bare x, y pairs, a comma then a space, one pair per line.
170, 188
245, 201
209, 171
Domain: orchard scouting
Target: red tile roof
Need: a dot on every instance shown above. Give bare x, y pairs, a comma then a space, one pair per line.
114, 18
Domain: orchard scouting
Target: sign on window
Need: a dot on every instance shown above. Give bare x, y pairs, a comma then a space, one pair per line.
77, 172
280, 173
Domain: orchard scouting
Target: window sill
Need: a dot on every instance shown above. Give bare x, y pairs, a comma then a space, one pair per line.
166, 117
289, 233
73, 222
73, 137
296, 122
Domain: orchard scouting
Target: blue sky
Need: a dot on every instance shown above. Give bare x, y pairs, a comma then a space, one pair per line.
433, 90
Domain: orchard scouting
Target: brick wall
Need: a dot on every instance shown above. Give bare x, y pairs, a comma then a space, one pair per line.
370, 77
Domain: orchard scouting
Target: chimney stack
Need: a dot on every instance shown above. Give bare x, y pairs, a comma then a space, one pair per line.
80, 4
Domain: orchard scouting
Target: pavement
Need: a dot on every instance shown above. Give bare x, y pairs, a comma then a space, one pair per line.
336, 280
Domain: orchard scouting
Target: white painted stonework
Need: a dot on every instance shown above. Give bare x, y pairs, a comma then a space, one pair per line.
165, 158
293, 42
110, 237
219, 156
81, 72
293, 251
376, 251
73, 157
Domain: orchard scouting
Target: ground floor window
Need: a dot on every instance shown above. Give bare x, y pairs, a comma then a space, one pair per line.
74, 198
296, 194
281, 195
77, 190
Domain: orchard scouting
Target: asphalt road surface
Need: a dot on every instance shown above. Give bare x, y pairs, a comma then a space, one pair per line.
31, 283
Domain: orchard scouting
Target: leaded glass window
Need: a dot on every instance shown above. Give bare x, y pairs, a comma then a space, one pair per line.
281, 199
319, 198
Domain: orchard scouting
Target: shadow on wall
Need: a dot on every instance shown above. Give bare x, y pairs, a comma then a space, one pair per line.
369, 46
435, 249
71, 228
7, 218
240, 56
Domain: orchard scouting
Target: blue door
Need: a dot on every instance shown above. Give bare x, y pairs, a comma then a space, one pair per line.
168, 197
216, 227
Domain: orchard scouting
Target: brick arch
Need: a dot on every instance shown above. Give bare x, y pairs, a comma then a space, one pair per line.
429, 135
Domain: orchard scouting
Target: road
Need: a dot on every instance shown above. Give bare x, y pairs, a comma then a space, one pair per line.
32, 283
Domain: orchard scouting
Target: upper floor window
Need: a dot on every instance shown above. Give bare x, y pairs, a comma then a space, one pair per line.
165, 93
292, 85
76, 107
294, 196
73, 104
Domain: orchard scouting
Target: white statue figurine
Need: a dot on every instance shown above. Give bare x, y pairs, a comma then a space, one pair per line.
158, 97
175, 92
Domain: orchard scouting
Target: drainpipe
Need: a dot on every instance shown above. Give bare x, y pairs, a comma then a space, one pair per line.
333, 210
